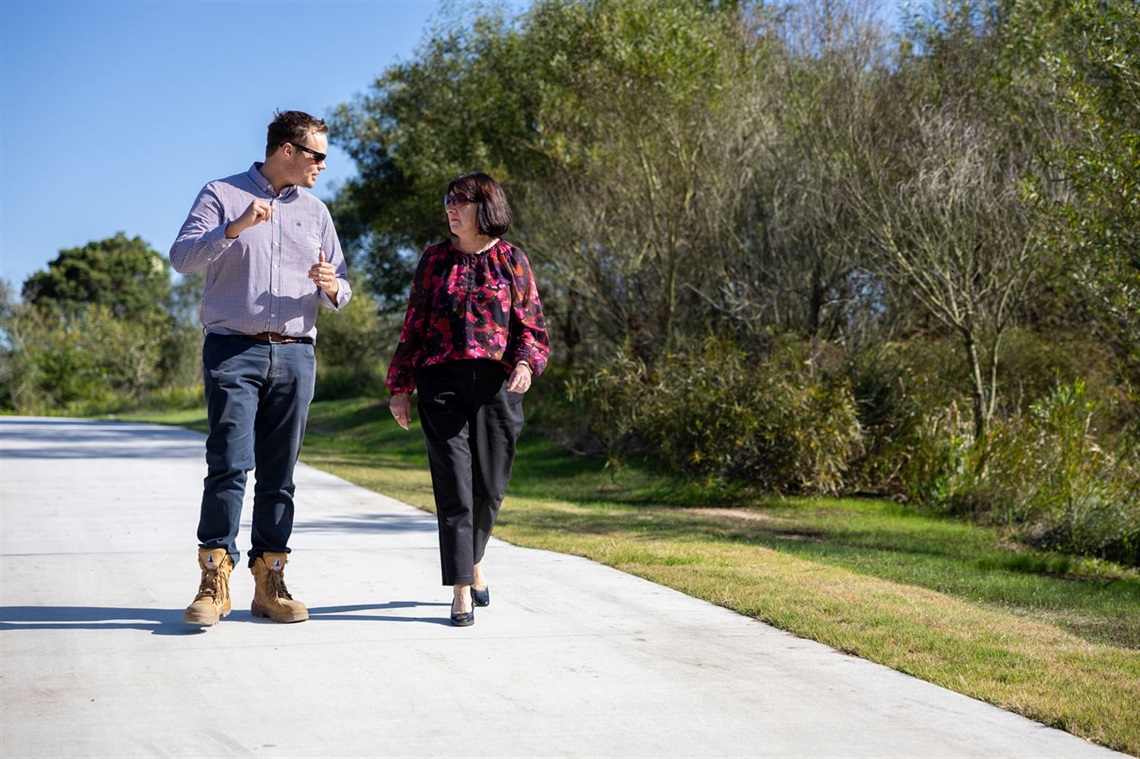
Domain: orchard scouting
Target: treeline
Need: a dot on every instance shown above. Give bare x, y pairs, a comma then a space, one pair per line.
779, 246
100, 330
104, 330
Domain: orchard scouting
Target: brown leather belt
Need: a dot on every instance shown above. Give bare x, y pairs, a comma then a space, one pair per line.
277, 337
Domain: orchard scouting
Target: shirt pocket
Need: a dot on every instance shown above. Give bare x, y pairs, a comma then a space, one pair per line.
300, 243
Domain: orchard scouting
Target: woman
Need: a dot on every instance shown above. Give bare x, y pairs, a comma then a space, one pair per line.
473, 339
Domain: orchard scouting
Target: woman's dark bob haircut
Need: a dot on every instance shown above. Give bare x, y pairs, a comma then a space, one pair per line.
494, 216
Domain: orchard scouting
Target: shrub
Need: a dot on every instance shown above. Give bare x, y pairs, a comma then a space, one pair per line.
1034, 364
1050, 476
86, 359
338, 382
1042, 475
908, 403
936, 459
353, 346
726, 416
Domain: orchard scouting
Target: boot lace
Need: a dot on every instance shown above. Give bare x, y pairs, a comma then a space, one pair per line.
277, 585
211, 585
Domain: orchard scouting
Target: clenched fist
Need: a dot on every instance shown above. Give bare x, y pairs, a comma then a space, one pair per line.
257, 212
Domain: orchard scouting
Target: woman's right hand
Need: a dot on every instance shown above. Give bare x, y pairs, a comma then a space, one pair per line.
401, 408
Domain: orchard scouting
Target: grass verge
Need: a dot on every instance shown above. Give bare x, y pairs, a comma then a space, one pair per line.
1051, 637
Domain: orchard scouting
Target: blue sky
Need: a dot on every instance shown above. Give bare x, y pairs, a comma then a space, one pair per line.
114, 114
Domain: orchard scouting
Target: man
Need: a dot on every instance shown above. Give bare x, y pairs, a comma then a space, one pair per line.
271, 255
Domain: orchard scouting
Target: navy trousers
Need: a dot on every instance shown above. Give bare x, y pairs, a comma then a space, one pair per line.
257, 396
471, 424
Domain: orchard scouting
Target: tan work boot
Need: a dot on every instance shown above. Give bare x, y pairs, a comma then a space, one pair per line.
213, 599
270, 597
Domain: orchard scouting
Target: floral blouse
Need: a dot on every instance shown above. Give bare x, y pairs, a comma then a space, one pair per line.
463, 306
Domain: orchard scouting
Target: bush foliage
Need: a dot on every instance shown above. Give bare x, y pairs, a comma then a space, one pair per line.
726, 417
780, 423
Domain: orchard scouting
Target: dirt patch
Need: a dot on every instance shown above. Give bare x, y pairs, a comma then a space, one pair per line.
758, 523
747, 515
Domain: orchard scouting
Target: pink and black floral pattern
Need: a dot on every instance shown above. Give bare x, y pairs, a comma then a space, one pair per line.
465, 306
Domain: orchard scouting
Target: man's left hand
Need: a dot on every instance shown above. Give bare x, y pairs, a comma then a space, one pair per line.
324, 275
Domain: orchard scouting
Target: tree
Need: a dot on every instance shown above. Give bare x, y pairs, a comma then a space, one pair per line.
464, 103
124, 275
653, 121
7, 299
93, 330
624, 133
957, 235
1086, 54
799, 262
945, 210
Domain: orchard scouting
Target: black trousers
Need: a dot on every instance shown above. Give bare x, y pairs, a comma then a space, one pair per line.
471, 424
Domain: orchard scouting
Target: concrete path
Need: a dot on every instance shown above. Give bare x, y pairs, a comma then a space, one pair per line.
571, 659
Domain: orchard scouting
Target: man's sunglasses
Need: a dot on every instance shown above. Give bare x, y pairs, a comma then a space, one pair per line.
318, 157
457, 199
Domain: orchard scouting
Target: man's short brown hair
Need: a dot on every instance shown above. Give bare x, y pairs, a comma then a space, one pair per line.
292, 126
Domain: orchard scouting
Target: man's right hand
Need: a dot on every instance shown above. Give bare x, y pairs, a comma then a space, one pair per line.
401, 408
257, 212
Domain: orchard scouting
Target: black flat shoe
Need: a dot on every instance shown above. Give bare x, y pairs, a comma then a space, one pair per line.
481, 597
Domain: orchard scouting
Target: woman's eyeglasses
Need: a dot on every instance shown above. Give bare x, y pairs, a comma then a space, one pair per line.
457, 199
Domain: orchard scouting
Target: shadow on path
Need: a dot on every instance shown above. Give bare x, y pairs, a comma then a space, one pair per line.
41, 438
157, 621
391, 523
169, 621
348, 613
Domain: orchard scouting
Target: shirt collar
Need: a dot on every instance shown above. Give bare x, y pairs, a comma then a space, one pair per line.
496, 248
262, 183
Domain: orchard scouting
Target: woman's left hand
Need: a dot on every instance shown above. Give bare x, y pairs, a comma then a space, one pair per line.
401, 408
520, 379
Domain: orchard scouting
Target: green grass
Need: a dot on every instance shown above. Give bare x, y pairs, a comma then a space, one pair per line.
1053, 637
